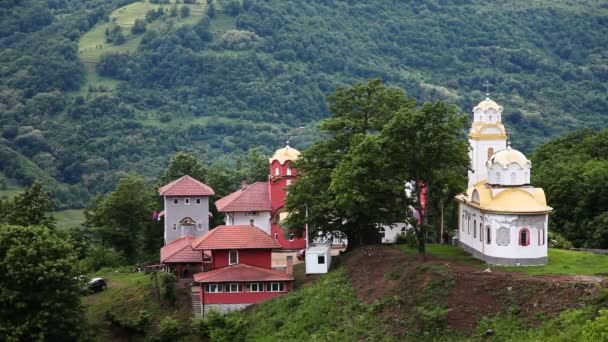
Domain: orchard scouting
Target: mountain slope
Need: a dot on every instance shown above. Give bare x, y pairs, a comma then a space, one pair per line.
250, 71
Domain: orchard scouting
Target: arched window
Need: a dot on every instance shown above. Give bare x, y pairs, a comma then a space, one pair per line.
276, 171
502, 236
462, 224
488, 235
524, 237
490, 152
480, 232
474, 228
469, 225
541, 237
289, 171
498, 177
513, 178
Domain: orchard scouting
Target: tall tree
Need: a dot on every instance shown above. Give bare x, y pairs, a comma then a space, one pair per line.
34, 206
357, 111
40, 296
183, 164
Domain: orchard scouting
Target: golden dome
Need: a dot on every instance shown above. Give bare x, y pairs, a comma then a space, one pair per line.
507, 157
488, 104
518, 200
284, 154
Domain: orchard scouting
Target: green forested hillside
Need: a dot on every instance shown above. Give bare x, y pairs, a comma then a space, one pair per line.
241, 74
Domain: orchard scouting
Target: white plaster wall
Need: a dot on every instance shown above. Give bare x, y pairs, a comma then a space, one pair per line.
261, 220
486, 116
312, 257
391, 232
534, 223
503, 176
174, 213
479, 156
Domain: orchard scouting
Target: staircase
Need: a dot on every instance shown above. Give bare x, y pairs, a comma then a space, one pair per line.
197, 308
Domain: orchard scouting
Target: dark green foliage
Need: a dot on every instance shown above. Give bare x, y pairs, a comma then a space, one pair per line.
167, 281
138, 27
573, 171
169, 329
233, 7
184, 11
40, 298
32, 207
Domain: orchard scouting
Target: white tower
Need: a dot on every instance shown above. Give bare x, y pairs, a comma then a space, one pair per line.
487, 136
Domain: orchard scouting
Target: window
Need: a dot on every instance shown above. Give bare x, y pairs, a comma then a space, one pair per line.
502, 236
497, 177
488, 235
200, 226
490, 152
291, 237
187, 201
276, 236
276, 171
251, 222
213, 288
513, 178
198, 201
541, 237
462, 226
321, 259
288, 171
480, 232
403, 230
232, 287
289, 182
174, 226
233, 257
175, 201
524, 237
275, 287
255, 287
252, 213
474, 229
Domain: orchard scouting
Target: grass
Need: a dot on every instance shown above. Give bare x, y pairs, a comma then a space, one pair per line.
126, 296
92, 45
561, 261
69, 218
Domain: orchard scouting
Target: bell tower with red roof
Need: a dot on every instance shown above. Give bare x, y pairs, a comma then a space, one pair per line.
282, 175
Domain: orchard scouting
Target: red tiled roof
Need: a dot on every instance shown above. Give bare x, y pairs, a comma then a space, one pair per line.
235, 237
186, 186
241, 272
255, 197
180, 250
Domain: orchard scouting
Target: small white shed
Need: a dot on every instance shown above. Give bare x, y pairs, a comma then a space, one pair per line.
318, 259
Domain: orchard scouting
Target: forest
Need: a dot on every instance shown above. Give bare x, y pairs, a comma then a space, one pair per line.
223, 77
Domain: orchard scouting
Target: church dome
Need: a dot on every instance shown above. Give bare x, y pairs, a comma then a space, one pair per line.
507, 157
488, 104
284, 154
508, 168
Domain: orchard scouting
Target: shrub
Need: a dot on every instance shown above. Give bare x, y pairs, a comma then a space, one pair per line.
167, 281
408, 238
430, 320
99, 257
169, 329
558, 241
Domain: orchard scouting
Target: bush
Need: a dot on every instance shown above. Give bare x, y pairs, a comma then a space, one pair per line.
139, 26
408, 238
558, 241
430, 320
167, 281
99, 257
169, 329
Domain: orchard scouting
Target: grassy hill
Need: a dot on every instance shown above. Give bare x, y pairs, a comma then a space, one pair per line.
386, 293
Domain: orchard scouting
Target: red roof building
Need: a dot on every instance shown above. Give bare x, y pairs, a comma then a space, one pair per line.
186, 186
240, 270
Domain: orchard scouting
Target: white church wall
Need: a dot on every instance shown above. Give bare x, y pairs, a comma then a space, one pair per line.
503, 249
479, 156
388, 234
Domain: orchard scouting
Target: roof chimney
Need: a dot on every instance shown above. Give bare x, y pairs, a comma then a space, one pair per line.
244, 183
289, 267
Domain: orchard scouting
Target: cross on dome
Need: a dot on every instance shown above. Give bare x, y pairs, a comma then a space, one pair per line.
487, 85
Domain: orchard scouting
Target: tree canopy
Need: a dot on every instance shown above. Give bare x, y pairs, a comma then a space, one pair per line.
40, 294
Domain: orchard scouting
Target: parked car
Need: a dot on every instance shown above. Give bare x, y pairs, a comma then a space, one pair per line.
301, 255
96, 285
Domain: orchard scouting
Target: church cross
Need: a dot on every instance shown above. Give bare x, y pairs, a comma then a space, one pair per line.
487, 85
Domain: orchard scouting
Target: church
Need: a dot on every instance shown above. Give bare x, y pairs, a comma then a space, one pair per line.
502, 219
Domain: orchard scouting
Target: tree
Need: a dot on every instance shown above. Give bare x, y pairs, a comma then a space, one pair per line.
356, 112
422, 146
40, 298
34, 206
139, 26
183, 164
122, 219
184, 11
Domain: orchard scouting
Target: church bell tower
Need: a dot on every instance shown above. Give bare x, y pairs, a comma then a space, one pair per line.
486, 136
